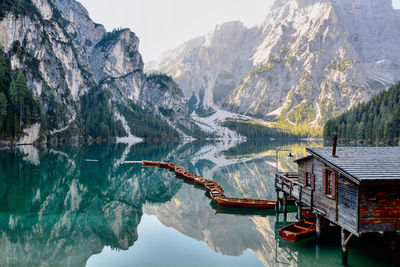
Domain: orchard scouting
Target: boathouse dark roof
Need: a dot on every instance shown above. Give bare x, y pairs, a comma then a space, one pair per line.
361, 163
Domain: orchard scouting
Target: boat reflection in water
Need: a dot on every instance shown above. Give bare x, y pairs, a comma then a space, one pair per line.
77, 206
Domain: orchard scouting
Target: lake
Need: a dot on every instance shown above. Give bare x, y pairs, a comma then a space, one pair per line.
80, 206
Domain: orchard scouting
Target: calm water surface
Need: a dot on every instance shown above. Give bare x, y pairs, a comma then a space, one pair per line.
59, 209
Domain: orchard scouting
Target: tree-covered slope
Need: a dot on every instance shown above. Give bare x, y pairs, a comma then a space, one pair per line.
62, 76
376, 120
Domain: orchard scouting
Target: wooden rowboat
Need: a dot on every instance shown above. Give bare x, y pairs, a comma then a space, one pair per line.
200, 180
164, 164
172, 166
151, 163
178, 167
307, 213
180, 171
216, 194
246, 203
210, 185
188, 175
289, 201
184, 173
298, 230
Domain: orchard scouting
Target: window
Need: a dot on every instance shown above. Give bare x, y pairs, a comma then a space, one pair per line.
308, 179
329, 181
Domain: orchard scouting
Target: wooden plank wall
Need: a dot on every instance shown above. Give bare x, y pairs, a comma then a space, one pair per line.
347, 204
342, 210
382, 213
322, 201
305, 166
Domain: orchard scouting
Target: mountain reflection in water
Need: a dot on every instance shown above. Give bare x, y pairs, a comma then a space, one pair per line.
59, 209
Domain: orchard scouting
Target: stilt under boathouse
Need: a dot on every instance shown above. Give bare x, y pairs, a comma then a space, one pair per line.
355, 188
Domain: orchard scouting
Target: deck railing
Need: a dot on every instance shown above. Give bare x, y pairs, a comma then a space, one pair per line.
289, 184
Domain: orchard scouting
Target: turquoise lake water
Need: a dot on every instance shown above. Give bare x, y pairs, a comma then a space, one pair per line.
79, 206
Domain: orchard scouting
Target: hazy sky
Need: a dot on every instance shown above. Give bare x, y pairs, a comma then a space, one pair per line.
164, 24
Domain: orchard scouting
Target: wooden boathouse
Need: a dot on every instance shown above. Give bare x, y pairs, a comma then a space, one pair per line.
356, 188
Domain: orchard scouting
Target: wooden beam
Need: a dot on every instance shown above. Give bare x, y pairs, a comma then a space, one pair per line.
284, 203
299, 208
318, 225
277, 201
300, 193
345, 237
312, 199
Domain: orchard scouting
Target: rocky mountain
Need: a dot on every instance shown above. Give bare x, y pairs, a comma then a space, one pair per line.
89, 82
309, 61
207, 68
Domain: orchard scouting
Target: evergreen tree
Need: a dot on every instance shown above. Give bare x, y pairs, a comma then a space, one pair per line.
3, 112
3, 105
4, 79
379, 119
22, 89
13, 93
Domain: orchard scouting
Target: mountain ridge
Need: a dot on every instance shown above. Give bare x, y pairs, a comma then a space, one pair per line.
308, 62
65, 56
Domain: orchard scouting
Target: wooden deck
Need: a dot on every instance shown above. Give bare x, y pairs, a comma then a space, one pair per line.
288, 183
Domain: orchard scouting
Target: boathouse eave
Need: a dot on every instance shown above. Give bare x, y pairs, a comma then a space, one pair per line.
303, 159
333, 166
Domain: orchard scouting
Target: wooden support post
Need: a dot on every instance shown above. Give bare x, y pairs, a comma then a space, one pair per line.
277, 201
300, 193
345, 241
284, 204
318, 226
299, 207
312, 199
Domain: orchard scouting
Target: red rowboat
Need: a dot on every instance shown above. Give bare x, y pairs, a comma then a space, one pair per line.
298, 230
180, 171
216, 194
164, 164
172, 166
200, 180
210, 185
151, 163
246, 203
188, 175
307, 213
289, 201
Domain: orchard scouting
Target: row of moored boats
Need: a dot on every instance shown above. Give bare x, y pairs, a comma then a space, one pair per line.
293, 232
216, 191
